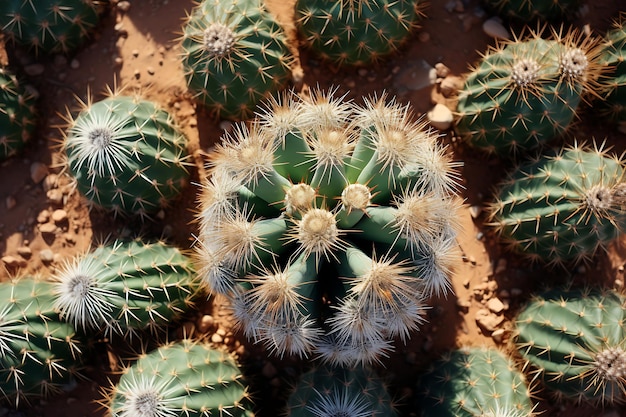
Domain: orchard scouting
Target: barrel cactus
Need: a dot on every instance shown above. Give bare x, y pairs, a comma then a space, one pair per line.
17, 114
49, 26
613, 56
184, 378
337, 391
327, 224
528, 11
356, 32
126, 155
123, 287
474, 382
39, 353
234, 55
574, 340
525, 92
562, 207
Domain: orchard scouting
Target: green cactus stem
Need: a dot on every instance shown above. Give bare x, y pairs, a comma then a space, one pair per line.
17, 114
613, 57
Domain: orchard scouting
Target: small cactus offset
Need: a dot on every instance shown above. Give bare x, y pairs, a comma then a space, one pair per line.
234, 55
528, 11
524, 93
123, 287
356, 32
474, 382
337, 391
49, 26
562, 207
574, 339
126, 155
328, 225
613, 56
184, 378
17, 114
39, 353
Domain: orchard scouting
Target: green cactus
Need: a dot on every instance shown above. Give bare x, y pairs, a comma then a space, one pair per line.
524, 93
474, 382
126, 155
328, 225
123, 287
356, 32
613, 57
184, 378
562, 207
574, 340
528, 11
336, 391
49, 26
17, 114
39, 353
234, 55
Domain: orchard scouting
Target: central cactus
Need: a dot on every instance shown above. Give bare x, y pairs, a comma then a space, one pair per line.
328, 224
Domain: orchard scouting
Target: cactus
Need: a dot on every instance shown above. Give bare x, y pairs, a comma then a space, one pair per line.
562, 207
613, 56
528, 11
39, 353
328, 225
17, 114
49, 26
474, 382
524, 93
574, 340
126, 155
356, 32
234, 55
336, 391
184, 378
124, 287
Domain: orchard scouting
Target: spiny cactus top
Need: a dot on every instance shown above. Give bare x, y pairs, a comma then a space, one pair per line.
50, 26
327, 224
575, 340
614, 57
234, 55
525, 92
336, 391
563, 206
126, 155
528, 11
474, 382
17, 114
123, 287
39, 353
185, 378
356, 32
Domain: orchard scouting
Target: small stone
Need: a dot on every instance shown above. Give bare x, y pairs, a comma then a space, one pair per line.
494, 28
442, 70
59, 216
24, 252
43, 216
216, 338
440, 117
498, 335
38, 171
463, 305
123, 6
487, 321
207, 322
50, 182
46, 255
10, 202
55, 197
269, 370
451, 85
48, 229
475, 211
118, 61
34, 70
11, 261
75, 64
495, 305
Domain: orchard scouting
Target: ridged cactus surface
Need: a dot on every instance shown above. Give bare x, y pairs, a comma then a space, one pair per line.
126, 155
234, 55
17, 114
474, 382
562, 207
528, 11
574, 339
123, 287
184, 378
613, 57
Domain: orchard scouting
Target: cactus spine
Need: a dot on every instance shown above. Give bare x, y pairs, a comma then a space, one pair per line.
356, 32
574, 340
613, 56
17, 114
234, 55
126, 155
184, 378
125, 287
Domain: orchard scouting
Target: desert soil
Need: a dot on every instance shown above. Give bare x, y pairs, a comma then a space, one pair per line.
44, 222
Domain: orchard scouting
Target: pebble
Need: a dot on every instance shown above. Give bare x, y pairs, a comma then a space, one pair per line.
47, 229
495, 305
46, 255
43, 216
475, 211
498, 335
55, 197
207, 322
34, 70
442, 70
38, 171
451, 85
494, 28
123, 6
487, 321
59, 216
24, 252
440, 117
10, 202
50, 182
216, 338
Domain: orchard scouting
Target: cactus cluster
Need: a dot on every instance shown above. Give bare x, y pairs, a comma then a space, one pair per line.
528, 11
356, 32
234, 55
574, 339
613, 57
17, 114
327, 224
49, 26
184, 378
562, 207
525, 92
126, 154
474, 382
123, 287
39, 353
